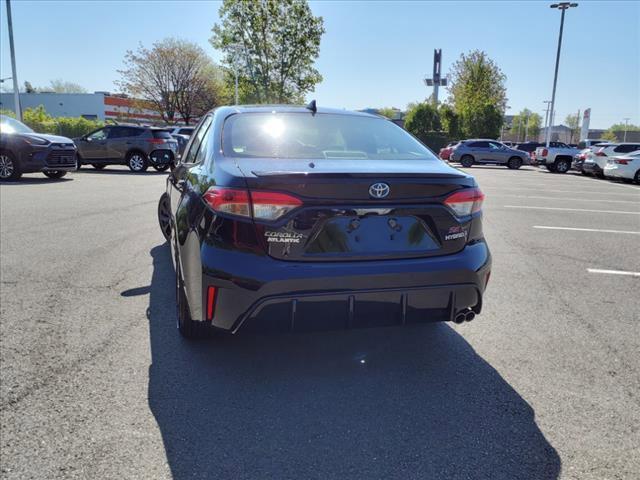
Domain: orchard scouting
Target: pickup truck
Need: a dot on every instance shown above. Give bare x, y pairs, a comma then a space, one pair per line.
556, 159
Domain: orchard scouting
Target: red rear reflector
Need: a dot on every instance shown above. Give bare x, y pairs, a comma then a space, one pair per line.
266, 205
211, 302
465, 202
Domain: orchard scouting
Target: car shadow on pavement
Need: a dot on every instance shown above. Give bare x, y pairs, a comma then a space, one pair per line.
108, 171
36, 181
412, 402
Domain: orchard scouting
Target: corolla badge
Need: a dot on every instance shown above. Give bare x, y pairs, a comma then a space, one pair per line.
379, 190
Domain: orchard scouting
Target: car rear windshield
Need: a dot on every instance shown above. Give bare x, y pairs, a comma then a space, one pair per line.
161, 134
331, 136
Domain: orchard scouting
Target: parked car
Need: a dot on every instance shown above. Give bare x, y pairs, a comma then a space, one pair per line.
596, 160
580, 157
134, 146
590, 142
626, 167
303, 218
187, 131
530, 148
182, 140
445, 152
24, 151
482, 151
555, 159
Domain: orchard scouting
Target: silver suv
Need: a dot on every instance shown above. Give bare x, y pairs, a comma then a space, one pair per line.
483, 151
134, 146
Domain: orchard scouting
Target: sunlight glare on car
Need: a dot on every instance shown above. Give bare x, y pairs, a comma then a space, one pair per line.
274, 127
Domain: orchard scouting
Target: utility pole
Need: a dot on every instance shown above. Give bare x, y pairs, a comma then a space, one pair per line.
526, 128
546, 117
436, 80
16, 93
563, 7
626, 124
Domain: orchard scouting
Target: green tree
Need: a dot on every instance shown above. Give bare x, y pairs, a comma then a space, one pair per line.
478, 94
621, 127
422, 119
525, 125
174, 77
450, 120
273, 45
573, 122
610, 136
390, 112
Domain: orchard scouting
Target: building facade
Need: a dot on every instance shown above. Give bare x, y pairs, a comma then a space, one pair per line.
92, 106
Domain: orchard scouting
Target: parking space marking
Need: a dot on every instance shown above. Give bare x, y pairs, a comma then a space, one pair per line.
568, 199
546, 227
613, 272
571, 209
545, 190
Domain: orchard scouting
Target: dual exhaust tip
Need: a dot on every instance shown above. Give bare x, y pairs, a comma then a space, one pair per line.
464, 316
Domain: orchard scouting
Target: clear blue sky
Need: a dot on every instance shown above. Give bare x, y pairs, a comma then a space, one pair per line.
373, 53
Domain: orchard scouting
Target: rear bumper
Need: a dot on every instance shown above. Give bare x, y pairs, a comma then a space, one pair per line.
263, 293
591, 167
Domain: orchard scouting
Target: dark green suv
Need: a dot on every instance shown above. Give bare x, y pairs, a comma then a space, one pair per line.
134, 146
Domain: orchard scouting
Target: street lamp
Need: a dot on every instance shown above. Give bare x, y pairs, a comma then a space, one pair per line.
626, 125
563, 7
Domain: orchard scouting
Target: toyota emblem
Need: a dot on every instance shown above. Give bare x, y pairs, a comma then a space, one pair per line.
379, 190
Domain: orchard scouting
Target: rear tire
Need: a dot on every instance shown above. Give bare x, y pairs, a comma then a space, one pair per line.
514, 163
55, 174
636, 177
466, 161
98, 166
187, 327
164, 216
137, 162
551, 168
562, 166
9, 168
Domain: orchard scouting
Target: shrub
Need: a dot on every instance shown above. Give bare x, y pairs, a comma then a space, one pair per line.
40, 121
422, 119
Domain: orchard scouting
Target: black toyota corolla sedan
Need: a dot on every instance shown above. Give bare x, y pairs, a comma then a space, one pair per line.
301, 218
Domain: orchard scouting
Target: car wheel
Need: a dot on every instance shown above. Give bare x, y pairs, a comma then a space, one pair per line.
137, 162
98, 166
551, 168
55, 173
562, 166
636, 177
9, 168
164, 216
600, 175
161, 168
514, 163
187, 327
466, 161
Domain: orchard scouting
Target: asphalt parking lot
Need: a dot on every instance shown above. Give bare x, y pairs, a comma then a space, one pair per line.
96, 382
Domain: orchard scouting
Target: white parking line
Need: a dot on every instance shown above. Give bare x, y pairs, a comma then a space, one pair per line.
567, 199
547, 190
613, 272
571, 209
545, 227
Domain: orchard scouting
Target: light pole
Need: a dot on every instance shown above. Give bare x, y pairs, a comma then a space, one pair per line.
526, 128
626, 124
16, 93
563, 7
235, 47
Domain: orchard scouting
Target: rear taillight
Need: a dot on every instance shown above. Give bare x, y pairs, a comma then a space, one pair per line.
265, 205
156, 140
211, 302
621, 161
465, 202
600, 153
545, 152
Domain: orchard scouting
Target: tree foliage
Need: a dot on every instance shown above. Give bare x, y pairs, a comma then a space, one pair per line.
40, 121
62, 86
390, 112
620, 127
450, 120
174, 77
272, 45
525, 125
478, 94
573, 122
421, 119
